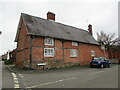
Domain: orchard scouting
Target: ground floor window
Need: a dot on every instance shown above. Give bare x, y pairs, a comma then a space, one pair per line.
48, 52
92, 53
73, 52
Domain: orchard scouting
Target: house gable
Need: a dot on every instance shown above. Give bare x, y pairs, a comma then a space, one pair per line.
21, 30
22, 36
22, 40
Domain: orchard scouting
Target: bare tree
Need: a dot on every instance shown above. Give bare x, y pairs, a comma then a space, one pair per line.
107, 40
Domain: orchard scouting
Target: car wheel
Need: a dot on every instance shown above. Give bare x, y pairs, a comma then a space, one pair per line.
109, 65
101, 66
106, 65
91, 66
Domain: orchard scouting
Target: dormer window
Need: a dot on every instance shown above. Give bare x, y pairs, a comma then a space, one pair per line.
49, 41
74, 44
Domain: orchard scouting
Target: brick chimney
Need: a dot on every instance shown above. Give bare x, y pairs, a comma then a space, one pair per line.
90, 29
50, 16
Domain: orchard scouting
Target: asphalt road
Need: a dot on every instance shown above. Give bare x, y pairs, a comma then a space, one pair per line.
7, 79
63, 78
71, 78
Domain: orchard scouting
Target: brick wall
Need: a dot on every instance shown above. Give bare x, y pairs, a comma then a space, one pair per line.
62, 51
67, 58
22, 51
85, 53
13, 56
114, 54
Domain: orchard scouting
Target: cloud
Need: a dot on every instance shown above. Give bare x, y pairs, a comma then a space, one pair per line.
102, 15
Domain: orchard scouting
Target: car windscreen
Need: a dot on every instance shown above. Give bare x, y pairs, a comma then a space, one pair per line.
99, 58
96, 58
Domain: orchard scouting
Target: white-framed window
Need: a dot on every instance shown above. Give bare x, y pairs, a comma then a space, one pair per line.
74, 44
48, 52
49, 41
92, 53
73, 52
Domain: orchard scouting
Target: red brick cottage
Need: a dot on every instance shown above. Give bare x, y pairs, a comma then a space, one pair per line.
46, 41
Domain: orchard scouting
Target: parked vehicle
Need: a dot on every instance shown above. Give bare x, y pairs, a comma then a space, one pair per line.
100, 62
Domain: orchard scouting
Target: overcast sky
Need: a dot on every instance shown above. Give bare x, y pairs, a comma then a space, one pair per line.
102, 14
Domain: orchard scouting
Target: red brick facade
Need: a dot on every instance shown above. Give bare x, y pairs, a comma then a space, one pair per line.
61, 51
61, 47
22, 46
114, 54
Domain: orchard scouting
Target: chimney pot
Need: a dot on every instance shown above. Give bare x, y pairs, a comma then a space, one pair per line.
90, 29
50, 16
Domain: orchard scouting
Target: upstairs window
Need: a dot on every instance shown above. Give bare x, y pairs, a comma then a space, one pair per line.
74, 44
92, 53
73, 52
49, 41
48, 52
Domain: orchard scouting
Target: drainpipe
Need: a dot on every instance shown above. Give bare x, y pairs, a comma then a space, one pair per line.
30, 50
63, 50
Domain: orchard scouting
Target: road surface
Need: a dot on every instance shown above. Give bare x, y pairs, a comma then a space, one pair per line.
63, 78
7, 79
73, 78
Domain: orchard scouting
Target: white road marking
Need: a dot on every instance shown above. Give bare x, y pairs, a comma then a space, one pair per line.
21, 75
60, 80
14, 75
15, 78
16, 86
50, 82
16, 83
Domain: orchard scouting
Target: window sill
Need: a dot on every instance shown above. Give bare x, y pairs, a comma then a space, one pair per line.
75, 45
73, 56
49, 56
49, 44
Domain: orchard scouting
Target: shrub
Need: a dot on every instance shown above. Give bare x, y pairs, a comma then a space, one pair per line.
3, 59
7, 62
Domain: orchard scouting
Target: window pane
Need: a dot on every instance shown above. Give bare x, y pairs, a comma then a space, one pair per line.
74, 43
49, 41
92, 53
45, 51
73, 53
49, 52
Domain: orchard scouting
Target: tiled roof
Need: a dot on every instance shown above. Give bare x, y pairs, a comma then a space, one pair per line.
41, 27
